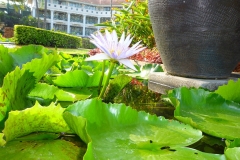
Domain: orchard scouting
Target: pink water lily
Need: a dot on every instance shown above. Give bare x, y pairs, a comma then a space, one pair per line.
114, 49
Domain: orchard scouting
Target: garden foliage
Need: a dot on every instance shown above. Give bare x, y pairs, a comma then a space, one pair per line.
133, 19
49, 110
25, 35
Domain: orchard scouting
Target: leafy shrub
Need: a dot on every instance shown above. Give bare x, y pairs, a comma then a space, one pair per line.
3, 39
30, 35
133, 19
87, 44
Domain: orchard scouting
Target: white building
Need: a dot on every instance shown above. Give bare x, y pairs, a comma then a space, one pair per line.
76, 16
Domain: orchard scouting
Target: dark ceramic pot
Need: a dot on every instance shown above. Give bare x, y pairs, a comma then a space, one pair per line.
197, 38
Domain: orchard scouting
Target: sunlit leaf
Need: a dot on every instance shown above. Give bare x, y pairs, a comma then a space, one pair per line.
34, 119
41, 149
207, 111
40, 66
114, 131
2, 141
44, 91
6, 63
27, 53
18, 83
73, 94
230, 91
232, 153
78, 78
16, 86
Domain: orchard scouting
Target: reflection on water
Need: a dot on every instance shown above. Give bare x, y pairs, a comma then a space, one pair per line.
140, 98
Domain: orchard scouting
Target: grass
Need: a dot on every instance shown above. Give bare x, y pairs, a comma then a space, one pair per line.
72, 51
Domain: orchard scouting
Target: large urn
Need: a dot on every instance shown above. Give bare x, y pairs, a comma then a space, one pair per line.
197, 38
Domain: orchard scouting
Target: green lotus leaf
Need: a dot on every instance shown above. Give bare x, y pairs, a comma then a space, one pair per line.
2, 141
4, 103
44, 91
115, 131
16, 86
39, 136
40, 66
34, 119
27, 53
230, 91
6, 63
206, 111
41, 149
232, 153
234, 143
73, 94
75, 78
18, 83
78, 78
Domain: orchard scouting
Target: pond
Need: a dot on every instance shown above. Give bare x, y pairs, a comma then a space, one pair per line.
139, 97
80, 97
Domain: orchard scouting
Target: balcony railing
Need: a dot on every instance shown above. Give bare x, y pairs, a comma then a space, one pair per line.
78, 10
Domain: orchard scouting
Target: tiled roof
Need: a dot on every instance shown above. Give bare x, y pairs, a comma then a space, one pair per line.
103, 2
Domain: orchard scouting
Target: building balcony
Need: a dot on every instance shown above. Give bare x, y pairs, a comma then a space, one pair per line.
83, 11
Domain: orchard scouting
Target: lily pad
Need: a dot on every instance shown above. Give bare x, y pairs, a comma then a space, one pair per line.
230, 91
6, 63
18, 83
233, 153
78, 78
2, 141
206, 111
115, 131
233, 149
46, 91
41, 149
16, 86
34, 119
27, 53
73, 94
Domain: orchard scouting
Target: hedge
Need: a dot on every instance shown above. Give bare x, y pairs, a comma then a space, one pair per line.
25, 35
87, 44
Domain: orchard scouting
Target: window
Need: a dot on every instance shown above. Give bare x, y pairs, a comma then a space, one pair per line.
91, 20
89, 31
104, 19
60, 27
76, 30
76, 18
90, 7
107, 8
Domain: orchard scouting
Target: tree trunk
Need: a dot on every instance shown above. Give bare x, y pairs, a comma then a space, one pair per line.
37, 13
45, 15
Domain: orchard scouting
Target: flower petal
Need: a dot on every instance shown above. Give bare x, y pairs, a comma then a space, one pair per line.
127, 63
99, 56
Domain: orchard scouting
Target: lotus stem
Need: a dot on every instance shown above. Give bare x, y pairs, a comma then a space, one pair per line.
102, 75
112, 64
